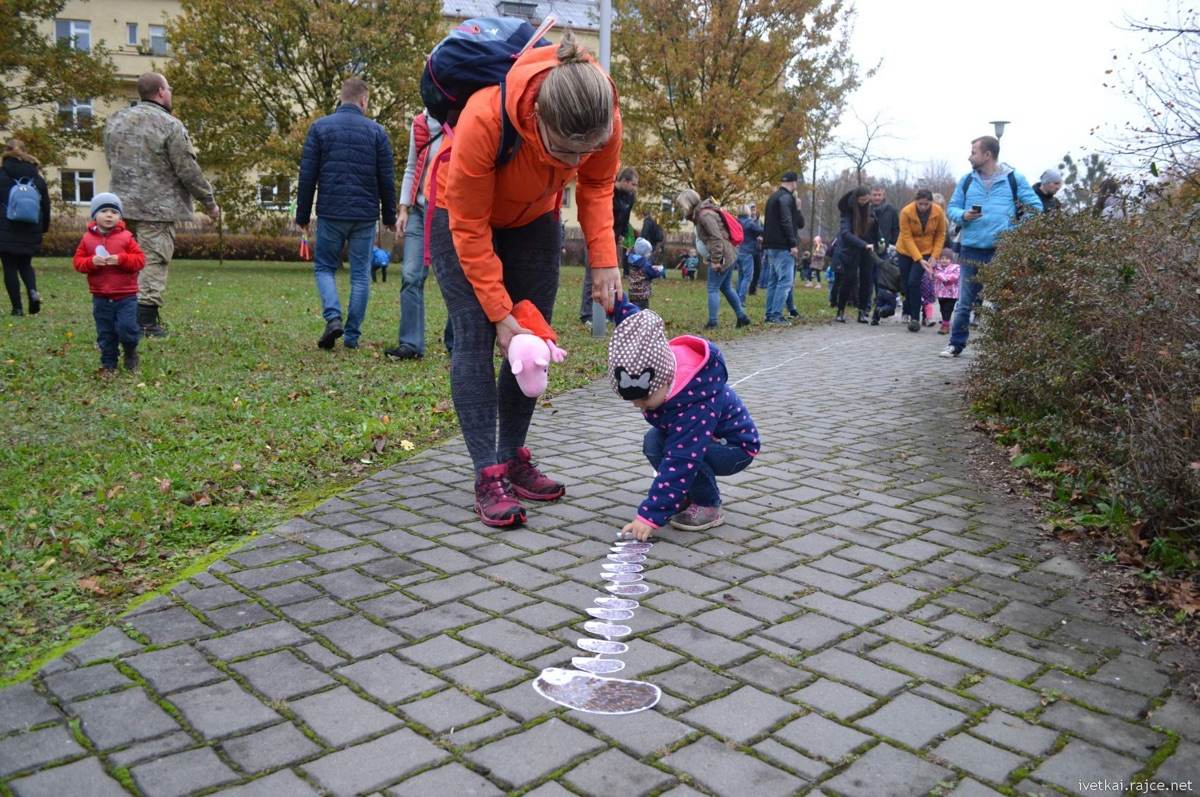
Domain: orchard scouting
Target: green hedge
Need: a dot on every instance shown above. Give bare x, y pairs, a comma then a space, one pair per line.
195, 246
1093, 356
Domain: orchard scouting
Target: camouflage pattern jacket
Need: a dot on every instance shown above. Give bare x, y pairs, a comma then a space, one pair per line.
153, 164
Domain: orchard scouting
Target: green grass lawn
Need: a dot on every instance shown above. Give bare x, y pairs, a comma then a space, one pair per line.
109, 489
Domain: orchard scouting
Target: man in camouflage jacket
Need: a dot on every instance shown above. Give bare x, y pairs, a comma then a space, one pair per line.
154, 171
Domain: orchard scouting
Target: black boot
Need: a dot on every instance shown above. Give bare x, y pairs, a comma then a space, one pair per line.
35, 302
149, 321
333, 331
875, 318
17, 310
131, 358
862, 318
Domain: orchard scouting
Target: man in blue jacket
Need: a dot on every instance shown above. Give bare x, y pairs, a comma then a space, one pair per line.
350, 158
986, 202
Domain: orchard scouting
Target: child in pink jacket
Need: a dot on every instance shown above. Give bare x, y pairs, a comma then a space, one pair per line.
945, 287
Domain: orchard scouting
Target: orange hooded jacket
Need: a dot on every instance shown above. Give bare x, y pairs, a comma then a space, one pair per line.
480, 197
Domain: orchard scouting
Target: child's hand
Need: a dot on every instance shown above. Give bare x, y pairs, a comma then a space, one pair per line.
99, 260
639, 529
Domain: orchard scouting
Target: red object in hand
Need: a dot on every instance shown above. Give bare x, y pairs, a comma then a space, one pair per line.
305, 249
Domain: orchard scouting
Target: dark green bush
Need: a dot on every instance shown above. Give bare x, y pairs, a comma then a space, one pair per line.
195, 246
1094, 352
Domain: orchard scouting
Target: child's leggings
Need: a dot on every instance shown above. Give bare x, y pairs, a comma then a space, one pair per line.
721, 459
947, 307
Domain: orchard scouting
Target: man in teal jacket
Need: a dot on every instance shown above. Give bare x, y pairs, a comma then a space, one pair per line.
986, 202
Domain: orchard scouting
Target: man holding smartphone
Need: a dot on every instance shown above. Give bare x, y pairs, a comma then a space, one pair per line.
986, 202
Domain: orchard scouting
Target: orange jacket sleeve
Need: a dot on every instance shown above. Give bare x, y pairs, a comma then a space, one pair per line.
470, 188
905, 244
528, 316
594, 192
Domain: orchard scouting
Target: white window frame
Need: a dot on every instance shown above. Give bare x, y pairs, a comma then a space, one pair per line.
273, 183
72, 109
166, 47
131, 34
79, 178
74, 28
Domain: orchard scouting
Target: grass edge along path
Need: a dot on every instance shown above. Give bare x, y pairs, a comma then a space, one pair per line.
112, 491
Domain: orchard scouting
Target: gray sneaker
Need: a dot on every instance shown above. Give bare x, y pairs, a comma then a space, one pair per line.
698, 518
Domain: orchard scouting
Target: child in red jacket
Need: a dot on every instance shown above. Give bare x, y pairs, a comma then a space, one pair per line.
111, 258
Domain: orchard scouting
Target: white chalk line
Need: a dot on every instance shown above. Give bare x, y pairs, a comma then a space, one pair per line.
801, 356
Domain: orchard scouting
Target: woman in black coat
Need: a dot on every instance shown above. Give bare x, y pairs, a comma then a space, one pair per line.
854, 262
21, 240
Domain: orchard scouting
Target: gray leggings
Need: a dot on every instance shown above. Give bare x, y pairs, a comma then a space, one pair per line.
530, 256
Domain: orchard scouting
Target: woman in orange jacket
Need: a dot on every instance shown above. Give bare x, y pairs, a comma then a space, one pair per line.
922, 233
495, 240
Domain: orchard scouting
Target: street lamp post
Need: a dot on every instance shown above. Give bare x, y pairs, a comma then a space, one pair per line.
998, 126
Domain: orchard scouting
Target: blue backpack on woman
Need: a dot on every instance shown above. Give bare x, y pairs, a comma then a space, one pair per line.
24, 202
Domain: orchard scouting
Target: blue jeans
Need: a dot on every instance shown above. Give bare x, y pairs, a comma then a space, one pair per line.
911, 272
781, 273
721, 459
969, 289
745, 269
721, 282
412, 282
332, 235
116, 326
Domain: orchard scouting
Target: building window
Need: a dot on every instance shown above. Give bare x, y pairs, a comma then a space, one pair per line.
566, 203
158, 40
75, 114
521, 10
77, 33
131, 31
78, 186
274, 193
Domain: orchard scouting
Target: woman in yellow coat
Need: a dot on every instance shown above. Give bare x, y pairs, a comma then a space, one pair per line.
922, 234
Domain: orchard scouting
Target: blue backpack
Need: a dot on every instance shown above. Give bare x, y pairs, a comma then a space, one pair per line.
24, 202
478, 53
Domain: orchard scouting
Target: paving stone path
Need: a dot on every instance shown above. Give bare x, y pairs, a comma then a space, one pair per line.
867, 622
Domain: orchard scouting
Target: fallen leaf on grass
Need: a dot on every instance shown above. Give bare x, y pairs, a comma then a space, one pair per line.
406, 445
90, 584
379, 443
164, 485
115, 490
442, 406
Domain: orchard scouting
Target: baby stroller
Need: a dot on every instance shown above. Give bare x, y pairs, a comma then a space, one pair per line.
887, 289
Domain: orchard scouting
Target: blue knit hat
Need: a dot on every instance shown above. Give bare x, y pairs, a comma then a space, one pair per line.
106, 200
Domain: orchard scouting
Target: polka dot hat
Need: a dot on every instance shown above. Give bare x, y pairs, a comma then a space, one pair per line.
639, 359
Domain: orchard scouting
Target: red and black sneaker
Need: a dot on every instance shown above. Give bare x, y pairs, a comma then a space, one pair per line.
494, 504
530, 483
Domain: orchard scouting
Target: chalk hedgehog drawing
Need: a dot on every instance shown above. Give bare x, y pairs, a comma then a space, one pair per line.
586, 688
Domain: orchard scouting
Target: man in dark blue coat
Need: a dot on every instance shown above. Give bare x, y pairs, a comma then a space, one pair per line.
350, 158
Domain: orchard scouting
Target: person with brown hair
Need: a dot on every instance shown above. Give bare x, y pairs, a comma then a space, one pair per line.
495, 241
350, 158
922, 233
20, 239
856, 236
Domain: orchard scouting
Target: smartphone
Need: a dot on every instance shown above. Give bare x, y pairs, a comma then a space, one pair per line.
976, 209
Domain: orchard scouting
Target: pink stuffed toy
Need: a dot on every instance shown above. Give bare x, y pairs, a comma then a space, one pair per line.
529, 356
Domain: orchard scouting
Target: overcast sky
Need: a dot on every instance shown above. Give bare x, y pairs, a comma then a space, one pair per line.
951, 67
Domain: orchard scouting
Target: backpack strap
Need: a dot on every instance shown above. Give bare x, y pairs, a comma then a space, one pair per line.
1012, 186
510, 140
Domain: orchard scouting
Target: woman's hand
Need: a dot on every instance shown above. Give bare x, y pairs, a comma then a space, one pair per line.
639, 529
506, 329
606, 286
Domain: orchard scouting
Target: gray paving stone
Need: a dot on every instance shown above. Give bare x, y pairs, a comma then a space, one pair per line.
254, 640
374, 764
885, 771
317, 610
1177, 714
445, 710
122, 717
644, 733
281, 675
1015, 733
556, 742
280, 784
742, 715
771, 675
507, 637
818, 579
912, 720
543, 615
1106, 698
438, 620
889, 596
994, 661
479, 732
271, 575
341, 717
973, 788
833, 698
821, 737
106, 644
855, 670
1180, 769
453, 778
264, 555
1079, 764
1133, 673
239, 615
182, 773
932, 668
1102, 729
726, 622
613, 772
212, 597
703, 645
85, 776
979, 758
222, 709
693, 682
807, 768
845, 610
175, 668
390, 606
725, 771
908, 631
808, 632
388, 679
485, 673
34, 749
438, 652
1001, 693
74, 684
358, 636
154, 748
452, 588
276, 746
